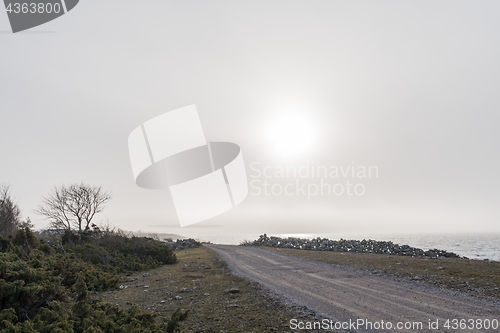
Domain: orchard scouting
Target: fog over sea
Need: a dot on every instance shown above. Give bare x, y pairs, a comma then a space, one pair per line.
473, 246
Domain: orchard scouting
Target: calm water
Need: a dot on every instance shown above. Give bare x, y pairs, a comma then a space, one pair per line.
473, 246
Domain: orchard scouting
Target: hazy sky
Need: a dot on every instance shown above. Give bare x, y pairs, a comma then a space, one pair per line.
411, 87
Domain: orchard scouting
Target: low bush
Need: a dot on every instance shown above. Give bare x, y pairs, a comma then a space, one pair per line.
45, 288
125, 254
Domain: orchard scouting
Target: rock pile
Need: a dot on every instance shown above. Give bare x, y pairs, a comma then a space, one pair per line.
344, 245
181, 244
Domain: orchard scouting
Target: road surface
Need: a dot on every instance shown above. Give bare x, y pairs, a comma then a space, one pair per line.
348, 295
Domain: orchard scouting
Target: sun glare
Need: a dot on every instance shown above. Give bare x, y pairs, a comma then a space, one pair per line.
290, 134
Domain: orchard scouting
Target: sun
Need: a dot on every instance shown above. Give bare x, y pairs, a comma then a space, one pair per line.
290, 134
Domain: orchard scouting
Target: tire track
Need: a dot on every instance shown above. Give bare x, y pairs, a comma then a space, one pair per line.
344, 294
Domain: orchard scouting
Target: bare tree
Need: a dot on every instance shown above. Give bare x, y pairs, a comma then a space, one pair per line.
73, 206
9, 212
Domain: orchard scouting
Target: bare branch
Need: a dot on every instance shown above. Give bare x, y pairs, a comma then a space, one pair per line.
74, 205
10, 214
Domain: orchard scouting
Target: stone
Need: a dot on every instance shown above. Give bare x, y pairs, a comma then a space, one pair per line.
234, 290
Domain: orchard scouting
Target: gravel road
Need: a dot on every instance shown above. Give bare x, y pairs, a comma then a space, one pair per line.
344, 294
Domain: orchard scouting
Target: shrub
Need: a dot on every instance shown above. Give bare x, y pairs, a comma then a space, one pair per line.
44, 290
123, 254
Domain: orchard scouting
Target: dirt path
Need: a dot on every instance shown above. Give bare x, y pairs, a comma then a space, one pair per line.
348, 295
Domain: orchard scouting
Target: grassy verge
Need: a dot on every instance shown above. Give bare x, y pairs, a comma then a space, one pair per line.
478, 278
217, 300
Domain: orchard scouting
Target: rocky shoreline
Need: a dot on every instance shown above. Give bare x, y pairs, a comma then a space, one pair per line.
181, 244
344, 245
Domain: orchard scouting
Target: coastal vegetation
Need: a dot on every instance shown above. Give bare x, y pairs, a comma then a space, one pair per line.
47, 279
47, 287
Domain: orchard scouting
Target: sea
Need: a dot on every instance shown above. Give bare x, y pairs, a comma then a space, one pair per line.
472, 246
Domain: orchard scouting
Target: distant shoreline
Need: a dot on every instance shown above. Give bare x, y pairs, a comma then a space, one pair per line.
160, 235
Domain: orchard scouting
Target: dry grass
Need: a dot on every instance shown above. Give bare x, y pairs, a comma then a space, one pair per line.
203, 281
476, 277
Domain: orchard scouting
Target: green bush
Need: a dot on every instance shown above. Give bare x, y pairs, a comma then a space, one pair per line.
44, 290
89, 316
123, 254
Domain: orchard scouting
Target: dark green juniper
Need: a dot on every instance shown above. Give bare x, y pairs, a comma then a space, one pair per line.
45, 288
